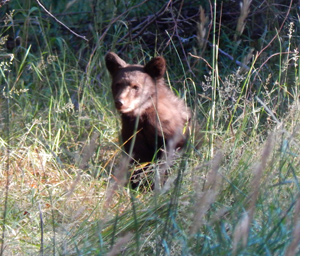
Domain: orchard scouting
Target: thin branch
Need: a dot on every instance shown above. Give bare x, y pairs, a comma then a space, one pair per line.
278, 31
107, 29
146, 23
271, 56
198, 57
62, 24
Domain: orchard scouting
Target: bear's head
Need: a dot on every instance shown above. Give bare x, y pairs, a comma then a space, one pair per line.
134, 86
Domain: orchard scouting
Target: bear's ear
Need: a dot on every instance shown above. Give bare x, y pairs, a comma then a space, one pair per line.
156, 67
114, 62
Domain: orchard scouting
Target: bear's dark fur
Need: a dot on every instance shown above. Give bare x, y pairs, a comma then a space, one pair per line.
152, 115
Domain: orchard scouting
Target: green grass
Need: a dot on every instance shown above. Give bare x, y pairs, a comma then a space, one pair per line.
61, 173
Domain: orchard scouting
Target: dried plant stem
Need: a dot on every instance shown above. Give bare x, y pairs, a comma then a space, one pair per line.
244, 12
61, 23
198, 57
278, 30
242, 229
296, 231
116, 249
209, 194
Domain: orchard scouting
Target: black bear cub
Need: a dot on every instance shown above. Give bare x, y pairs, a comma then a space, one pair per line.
152, 116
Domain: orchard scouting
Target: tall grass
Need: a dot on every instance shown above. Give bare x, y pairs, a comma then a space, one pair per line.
62, 179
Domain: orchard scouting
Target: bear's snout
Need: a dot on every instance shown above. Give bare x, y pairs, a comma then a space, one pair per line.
118, 103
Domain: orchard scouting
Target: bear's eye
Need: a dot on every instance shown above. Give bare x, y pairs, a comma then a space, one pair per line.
135, 87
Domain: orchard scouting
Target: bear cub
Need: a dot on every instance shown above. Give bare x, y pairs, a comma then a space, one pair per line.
153, 117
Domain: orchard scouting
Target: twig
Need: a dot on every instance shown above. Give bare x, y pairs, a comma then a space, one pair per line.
62, 24
275, 54
278, 31
176, 33
198, 57
107, 29
146, 23
276, 35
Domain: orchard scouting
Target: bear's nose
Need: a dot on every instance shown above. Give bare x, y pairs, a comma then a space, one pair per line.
118, 104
